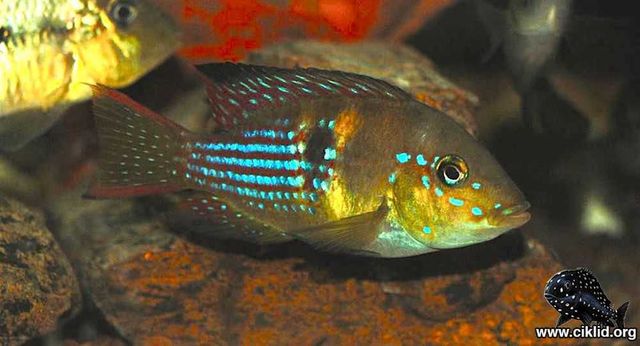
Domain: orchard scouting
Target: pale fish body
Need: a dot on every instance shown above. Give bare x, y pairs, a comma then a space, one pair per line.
342, 161
51, 49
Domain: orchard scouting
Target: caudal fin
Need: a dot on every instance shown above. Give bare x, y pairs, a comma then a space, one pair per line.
622, 310
138, 148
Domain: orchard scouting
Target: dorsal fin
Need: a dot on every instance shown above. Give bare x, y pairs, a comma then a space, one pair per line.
237, 90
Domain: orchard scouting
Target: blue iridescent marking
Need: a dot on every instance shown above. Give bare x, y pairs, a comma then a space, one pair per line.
302, 77
330, 154
403, 157
289, 165
476, 186
261, 205
420, 160
392, 177
476, 211
281, 79
263, 83
425, 181
223, 207
253, 148
456, 202
291, 134
332, 124
298, 181
253, 101
435, 161
248, 87
426, 229
268, 97
263, 133
306, 90
234, 102
322, 122
353, 90
439, 192
283, 89
324, 86
497, 206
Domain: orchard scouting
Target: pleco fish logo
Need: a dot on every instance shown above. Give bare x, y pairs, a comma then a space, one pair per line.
576, 294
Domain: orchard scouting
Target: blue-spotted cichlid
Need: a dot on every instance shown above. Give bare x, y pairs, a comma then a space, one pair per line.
50, 50
342, 161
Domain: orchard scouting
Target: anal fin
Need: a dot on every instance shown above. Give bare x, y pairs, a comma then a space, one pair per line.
352, 234
206, 214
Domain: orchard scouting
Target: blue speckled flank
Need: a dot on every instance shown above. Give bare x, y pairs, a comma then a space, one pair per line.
249, 148
497, 206
476, 211
476, 186
426, 229
456, 202
425, 181
439, 192
403, 157
420, 160
392, 177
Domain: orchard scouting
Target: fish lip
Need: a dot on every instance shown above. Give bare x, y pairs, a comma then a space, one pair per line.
549, 296
514, 216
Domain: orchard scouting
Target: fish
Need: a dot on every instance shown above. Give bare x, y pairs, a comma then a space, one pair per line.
344, 162
529, 31
576, 294
50, 50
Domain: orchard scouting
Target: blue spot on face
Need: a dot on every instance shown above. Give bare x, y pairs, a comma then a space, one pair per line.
291, 134
435, 161
426, 229
420, 160
439, 192
403, 157
425, 181
497, 206
476, 186
476, 211
392, 177
456, 202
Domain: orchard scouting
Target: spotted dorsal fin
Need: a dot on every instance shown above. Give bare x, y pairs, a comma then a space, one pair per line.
235, 91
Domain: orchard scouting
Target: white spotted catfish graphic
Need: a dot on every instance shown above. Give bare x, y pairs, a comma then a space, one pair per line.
576, 294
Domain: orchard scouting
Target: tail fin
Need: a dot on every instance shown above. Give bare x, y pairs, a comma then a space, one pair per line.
138, 148
622, 310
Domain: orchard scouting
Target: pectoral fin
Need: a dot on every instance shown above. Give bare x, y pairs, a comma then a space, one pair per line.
352, 234
562, 320
586, 319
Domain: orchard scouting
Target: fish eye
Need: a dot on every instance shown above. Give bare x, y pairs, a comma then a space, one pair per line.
123, 12
452, 170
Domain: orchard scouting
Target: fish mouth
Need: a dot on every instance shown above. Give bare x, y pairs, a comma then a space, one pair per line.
514, 216
549, 296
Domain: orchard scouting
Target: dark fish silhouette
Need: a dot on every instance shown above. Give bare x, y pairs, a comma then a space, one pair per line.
576, 294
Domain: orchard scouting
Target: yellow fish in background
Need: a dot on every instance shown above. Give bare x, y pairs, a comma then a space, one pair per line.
50, 50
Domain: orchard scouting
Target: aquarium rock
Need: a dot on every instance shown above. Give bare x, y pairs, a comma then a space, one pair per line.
37, 284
